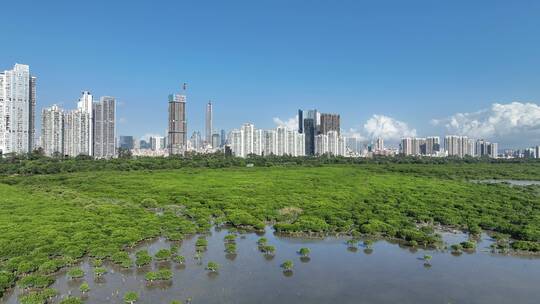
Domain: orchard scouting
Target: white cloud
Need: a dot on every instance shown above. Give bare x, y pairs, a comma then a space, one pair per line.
355, 133
387, 128
291, 123
510, 123
378, 125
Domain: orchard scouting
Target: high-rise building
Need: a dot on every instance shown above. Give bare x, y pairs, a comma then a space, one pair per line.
316, 116
77, 126
537, 151
290, 142
223, 138
258, 142
481, 148
354, 145
270, 142
379, 144
105, 127
177, 123
329, 122
157, 143
208, 125
309, 131
412, 146
126, 142
281, 143
342, 146
196, 140
333, 141
216, 140
144, 145
529, 153
484, 148
17, 110
300, 121
248, 130
407, 146
237, 143
300, 144
321, 144
432, 145
493, 150
52, 131
86, 105
459, 146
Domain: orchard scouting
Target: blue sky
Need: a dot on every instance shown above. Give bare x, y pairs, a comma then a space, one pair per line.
408, 61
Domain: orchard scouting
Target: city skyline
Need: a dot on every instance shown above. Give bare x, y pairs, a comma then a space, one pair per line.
414, 67
91, 130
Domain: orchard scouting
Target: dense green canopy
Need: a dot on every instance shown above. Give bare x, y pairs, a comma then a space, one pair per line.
49, 221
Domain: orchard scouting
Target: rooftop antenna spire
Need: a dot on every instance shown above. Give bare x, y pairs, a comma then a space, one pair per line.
184, 87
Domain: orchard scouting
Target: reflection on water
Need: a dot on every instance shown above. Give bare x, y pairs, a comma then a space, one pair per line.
334, 272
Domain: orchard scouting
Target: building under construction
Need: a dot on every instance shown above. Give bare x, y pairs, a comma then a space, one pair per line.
177, 139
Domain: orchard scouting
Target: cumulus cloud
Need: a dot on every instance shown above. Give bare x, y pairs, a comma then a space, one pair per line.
291, 123
387, 128
503, 122
355, 133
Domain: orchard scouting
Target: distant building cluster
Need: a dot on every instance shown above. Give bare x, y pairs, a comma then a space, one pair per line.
533, 152
90, 129
317, 134
456, 146
322, 133
281, 141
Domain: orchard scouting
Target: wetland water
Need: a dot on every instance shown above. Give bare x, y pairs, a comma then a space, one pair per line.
334, 274
513, 182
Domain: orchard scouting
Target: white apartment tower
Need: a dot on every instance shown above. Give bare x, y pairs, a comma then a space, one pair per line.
281, 141
52, 131
270, 142
333, 142
237, 143
459, 146
17, 110
85, 106
379, 144
248, 130
77, 128
407, 146
342, 146
104, 127
208, 125
157, 143
432, 145
493, 150
290, 147
300, 144
258, 142
321, 144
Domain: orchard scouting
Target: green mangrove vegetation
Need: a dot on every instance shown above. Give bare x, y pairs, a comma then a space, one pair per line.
55, 212
212, 266
160, 275
142, 258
